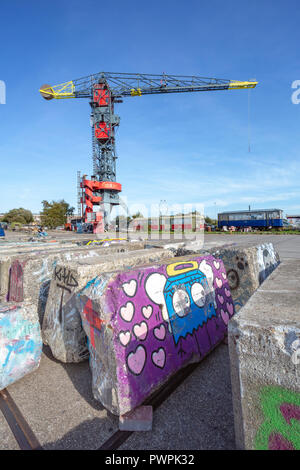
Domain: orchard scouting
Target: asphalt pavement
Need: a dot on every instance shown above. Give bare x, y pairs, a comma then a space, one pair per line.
57, 402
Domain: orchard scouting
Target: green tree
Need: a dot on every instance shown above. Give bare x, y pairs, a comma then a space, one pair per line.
21, 216
137, 215
210, 221
55, 213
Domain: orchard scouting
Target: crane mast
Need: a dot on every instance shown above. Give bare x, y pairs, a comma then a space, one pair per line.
104, 90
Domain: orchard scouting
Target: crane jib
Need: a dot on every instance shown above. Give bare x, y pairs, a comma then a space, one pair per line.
140, 84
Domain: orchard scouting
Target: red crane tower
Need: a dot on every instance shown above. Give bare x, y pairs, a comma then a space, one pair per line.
104, 90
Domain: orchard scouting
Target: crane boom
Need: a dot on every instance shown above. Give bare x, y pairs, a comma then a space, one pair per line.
137, 84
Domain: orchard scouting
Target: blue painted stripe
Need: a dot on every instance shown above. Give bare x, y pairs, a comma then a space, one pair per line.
251, 223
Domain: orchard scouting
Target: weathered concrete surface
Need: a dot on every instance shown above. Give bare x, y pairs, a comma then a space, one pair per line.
31, 246
56, 401
188, 247
139, 419
8, 256
197, 415
247, 268
20, 341
264, 344
7, 440
62, 329
30, 276
147, 323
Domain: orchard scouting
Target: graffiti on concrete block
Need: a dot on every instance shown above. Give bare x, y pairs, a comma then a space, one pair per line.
65, 277
20, 345
93, 320
240, 283
15, 292
66, 281
280, 429
163, 318
268, 260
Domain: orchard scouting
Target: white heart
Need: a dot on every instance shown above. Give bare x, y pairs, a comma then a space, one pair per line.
147, 311
224, 276
140, 330
217, 264
125, 337
219, 282
130, 287
127, 311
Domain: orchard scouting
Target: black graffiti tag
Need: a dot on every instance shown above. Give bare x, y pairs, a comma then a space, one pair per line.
66, 282
65, 278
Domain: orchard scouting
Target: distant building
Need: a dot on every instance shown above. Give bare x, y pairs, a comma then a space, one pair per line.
167, 223
294, 220
37, 218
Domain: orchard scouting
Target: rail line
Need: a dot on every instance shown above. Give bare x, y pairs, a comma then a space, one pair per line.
27, 440
21, 430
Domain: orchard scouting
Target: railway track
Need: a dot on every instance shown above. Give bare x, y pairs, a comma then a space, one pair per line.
27, 440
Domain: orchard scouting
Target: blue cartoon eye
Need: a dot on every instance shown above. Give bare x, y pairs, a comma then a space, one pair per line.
198, 294
181, 302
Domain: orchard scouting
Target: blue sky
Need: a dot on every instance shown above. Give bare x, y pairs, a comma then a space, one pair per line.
182, 148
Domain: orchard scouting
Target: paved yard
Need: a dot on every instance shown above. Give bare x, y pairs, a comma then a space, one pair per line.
58, 405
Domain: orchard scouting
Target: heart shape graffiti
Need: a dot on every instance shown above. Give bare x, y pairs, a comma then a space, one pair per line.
160, 332
159, 358
136, 360
225, 317
127, 312
140, 330
124, 337
147, 311
130, 288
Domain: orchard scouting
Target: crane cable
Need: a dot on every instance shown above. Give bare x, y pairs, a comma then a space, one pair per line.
249, 130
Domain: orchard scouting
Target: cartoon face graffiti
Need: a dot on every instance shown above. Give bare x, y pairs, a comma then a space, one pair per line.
267, 259
235, 273
185, 297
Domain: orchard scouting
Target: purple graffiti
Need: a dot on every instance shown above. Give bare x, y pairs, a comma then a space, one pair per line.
15, 292
278, 442
290, 411
158, 319
164, 317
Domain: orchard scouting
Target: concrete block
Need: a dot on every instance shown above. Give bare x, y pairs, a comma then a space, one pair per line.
264, 345
62, 328
139, 419
247, 268
23, 253
189, 247
7, 256
30, 276
146, 323
20, 341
